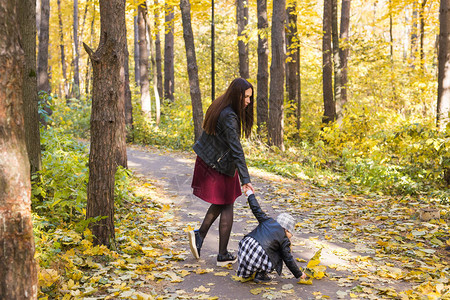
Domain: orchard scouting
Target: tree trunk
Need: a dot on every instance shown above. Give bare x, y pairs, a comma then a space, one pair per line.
107, 118
277, 73
169, 69
137, 72
336, 58
262, 77
158, 50
422, 34
43, 77
61, 46
153, 69
414, 35
143, 62
293, 54
343, 50
18, 275
194, 86
242, 21
391, 53
26, 15
76, 53
327, 65
88, 64
128, 104
443, 101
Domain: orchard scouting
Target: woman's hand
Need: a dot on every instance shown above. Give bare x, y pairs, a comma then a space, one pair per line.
248, 186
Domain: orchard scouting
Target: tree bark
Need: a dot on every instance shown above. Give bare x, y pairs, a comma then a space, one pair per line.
61, 47
143, 62
107, 118
169, 69
26, 10
43, 72
242, 21
293, 54
76, 53
194, 86
262, 77
277, 73
137, 72
158, 57
128, 104
18, 275
153, 69
327, 65
337, 69
413, 45
344, 51
443, 101
422, 34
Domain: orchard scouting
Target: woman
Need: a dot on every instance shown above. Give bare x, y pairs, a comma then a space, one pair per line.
221, 163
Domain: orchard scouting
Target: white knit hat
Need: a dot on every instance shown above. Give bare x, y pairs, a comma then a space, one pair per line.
286, 221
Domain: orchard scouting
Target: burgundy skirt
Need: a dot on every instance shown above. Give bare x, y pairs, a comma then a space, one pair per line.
214, 187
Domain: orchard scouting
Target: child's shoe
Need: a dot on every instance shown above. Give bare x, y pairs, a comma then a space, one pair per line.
195, 242
262, 277
223, 260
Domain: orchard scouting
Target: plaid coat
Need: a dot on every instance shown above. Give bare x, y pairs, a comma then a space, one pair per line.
273, 239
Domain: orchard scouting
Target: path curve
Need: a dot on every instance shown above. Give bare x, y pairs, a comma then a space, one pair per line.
172, 172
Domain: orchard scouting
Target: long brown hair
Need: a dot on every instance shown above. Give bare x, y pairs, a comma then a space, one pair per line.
234, 97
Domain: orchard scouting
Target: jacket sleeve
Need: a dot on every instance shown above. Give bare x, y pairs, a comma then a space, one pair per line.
256, 209
288, 259
237, 153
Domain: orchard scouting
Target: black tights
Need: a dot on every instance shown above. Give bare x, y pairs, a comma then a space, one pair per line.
225, 224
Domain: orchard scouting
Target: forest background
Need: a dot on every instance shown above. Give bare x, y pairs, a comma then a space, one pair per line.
384, 138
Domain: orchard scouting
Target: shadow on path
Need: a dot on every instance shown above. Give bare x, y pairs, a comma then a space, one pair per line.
172, 172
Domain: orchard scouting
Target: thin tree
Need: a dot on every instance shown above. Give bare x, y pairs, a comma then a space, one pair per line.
443, 100
277, 73
327, 65
18, 275
422, 34
194, 86
137, 72
143, 61
293, 58
42, 60
107, 118
344, 51
88, 64
169, 68
76, 53
262, 77
61, 47
128, 104
27, 14
158, 57
337, 70
153, 69
242, 21
414, 36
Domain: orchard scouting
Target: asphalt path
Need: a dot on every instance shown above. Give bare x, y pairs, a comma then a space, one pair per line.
172, 173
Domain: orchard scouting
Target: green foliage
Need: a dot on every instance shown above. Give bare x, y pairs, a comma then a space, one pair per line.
59, 190
176, 129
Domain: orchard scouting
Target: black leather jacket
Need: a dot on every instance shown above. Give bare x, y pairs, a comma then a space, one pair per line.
273, 239
223, 151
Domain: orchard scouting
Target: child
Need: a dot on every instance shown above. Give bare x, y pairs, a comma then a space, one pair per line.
267, 246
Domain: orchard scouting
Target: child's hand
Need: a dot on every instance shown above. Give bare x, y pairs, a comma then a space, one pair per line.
304, 276
247, 187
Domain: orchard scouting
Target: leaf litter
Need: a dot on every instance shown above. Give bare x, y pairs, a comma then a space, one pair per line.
389, 253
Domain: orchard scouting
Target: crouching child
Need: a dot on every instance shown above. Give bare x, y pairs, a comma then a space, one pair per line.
267, 246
